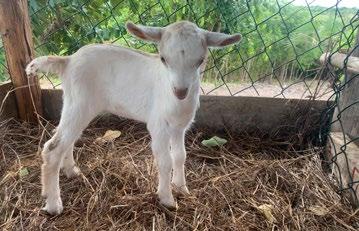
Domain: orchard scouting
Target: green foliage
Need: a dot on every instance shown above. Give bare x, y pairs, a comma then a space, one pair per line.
3, 71
277, 35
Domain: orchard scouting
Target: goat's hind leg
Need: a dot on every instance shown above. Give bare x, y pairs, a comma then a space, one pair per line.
68, 163
52, 155
70, 128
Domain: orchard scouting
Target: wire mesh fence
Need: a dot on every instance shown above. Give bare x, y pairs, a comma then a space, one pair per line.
278, 56
4, 75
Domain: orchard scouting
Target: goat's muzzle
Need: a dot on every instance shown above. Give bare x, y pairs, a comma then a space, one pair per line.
180, 93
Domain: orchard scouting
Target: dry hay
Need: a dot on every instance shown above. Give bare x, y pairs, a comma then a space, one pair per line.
228, 185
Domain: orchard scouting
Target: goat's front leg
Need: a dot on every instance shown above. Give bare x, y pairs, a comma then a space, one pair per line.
178, 152
161, 151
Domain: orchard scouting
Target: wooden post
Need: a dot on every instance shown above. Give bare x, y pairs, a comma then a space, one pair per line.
17, 39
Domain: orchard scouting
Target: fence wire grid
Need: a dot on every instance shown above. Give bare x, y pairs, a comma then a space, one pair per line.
278, 56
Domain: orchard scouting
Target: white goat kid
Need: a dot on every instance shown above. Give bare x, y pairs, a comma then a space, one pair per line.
161, 90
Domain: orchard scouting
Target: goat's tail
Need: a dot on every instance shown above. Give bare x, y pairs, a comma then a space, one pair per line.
48, 64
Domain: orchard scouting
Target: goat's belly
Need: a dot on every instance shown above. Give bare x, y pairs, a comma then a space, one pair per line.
121, 112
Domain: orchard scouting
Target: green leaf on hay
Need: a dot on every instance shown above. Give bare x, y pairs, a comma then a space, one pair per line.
214, 141
23, 172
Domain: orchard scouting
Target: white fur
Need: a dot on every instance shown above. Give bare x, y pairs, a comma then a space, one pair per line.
131, 84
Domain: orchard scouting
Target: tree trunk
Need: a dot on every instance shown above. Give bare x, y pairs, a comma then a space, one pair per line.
17, 39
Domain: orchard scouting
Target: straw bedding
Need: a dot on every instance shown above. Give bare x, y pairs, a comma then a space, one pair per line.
249, 184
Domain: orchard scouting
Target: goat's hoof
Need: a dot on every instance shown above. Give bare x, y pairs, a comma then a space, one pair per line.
72, 172
53, 207
169, 203
181, 189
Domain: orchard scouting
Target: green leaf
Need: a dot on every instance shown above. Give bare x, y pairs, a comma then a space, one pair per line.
214, 141
23, 172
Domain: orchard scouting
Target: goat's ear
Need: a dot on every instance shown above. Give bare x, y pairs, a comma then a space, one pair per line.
147, 33
215, 39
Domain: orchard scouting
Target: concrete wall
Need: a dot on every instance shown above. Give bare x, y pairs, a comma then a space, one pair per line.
234, 113
269, 115
248, 113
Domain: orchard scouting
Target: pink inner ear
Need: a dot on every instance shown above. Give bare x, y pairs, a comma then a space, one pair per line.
136, 31
231, 40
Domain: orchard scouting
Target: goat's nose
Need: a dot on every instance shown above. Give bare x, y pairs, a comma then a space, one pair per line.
180, 93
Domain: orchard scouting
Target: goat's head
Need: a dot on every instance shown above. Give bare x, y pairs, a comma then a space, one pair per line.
182, 49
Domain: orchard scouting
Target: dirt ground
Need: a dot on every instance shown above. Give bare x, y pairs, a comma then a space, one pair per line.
300, 90
248, 184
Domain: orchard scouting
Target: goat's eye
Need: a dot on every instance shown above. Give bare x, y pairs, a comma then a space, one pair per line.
163, 60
